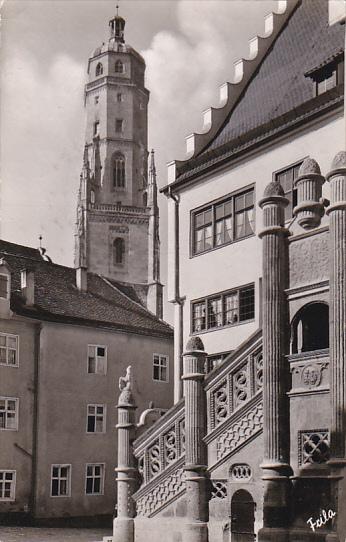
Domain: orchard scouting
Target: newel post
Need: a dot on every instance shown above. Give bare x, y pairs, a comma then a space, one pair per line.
123, 524
195, 430
276, 468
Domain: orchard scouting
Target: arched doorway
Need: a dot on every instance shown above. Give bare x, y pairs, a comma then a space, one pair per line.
242, 517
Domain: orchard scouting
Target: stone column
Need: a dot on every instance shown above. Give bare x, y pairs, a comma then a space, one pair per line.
196, 529
337, 348
123, 524
276, 469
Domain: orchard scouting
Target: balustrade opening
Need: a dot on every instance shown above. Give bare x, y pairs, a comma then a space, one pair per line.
310, 328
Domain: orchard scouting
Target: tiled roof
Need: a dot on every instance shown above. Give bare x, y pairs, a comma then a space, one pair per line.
280, 90
58, 299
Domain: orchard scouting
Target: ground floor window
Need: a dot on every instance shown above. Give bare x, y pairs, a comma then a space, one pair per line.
94, 480
61, 481
7, 485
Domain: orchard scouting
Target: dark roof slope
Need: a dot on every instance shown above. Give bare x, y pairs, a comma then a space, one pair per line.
58, 299
19, 250
280, 92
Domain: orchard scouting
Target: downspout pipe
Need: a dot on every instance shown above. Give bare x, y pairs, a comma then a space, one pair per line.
178, 301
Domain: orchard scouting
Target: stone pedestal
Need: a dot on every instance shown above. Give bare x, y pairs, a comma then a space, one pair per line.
123, 524
196, 528
337, 349
276, 469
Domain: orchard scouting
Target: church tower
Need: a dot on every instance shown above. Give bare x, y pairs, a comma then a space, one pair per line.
117, 233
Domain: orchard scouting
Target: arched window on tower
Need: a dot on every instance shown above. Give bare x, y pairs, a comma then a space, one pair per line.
145, 199
118, 251
119, 67
99, 69
310, 328
119, 171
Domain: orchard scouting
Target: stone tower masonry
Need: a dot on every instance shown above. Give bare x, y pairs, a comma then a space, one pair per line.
117, 233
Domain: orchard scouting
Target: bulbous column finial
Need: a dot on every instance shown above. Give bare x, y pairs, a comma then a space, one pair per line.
309, 209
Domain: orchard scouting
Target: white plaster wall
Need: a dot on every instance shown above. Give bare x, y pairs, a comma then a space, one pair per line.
240, 263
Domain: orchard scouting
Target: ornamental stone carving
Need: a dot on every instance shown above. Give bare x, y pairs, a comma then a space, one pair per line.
240, 472
250, 424
313, 447
311, 375
218, 489
161, 494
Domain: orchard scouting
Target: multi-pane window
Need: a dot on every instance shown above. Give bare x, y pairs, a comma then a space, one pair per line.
94, 479
223, 222
286, 178
8, 349
97, 359
7, 485
9, 413
96, 419
61, 481
160, 368
227, 308
119, 125
3, 286
119, 171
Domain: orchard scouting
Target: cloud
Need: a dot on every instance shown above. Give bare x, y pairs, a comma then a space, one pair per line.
41, 149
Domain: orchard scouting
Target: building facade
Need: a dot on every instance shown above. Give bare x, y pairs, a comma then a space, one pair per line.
68, 334
254, 447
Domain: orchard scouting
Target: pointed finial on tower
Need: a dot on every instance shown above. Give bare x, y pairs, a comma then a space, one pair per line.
117, 8
40, 239
152, 168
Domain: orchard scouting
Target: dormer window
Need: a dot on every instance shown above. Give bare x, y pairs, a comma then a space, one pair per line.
328, 75
99, 69
119, 67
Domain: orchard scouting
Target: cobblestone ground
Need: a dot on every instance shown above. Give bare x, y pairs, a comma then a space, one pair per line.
45, 534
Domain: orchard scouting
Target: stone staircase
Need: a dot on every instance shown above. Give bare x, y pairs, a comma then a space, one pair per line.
234, 417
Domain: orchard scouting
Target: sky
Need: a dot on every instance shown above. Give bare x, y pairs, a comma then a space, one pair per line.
189, 47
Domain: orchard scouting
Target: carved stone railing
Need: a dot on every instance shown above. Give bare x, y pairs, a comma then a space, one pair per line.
162, 445
235, 382
119, 208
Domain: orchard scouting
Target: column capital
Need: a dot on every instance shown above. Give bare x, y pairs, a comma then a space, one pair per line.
338, 166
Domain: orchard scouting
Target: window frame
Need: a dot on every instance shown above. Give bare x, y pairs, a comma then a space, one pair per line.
102, 478
119, 62
277, 172
222, 295
119, 251
12, 497
119, 123
96, 357
69, 478
104, 420
160, 367
16, 411
7, 348
7, 285
96, 128
212, 207
99, 69
119, 165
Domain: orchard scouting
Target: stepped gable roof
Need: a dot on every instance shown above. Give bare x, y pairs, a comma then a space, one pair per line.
57, 298
280, 94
